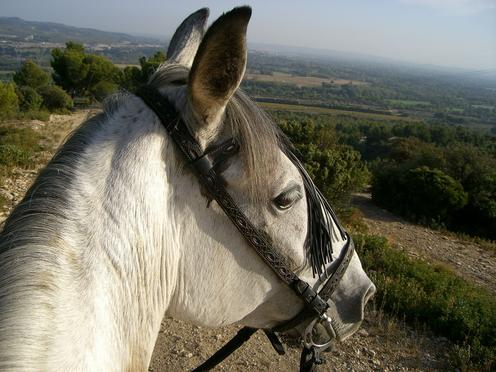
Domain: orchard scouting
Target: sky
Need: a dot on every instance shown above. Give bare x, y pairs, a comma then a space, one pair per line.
454, 33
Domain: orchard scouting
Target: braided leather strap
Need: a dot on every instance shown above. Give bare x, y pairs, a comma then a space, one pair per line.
209, 179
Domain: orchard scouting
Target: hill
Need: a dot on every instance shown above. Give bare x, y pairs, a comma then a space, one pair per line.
14, 29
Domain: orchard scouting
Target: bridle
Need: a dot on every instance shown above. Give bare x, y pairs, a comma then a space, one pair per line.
205, 165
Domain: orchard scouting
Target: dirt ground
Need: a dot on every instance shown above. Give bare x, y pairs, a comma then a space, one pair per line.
383, 344
464, 257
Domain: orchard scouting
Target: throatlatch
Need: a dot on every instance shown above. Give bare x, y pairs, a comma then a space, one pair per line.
321, 219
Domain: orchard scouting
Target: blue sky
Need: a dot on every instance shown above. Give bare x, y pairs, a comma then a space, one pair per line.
459, 33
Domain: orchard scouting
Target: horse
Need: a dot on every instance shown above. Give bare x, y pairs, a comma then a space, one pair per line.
117, 231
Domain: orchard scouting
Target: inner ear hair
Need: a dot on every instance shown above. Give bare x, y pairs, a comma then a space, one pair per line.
219, 64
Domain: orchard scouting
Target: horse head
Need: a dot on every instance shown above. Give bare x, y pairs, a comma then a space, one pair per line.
120, 228
223, 278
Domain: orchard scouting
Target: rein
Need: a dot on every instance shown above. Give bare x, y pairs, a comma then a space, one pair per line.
205, 165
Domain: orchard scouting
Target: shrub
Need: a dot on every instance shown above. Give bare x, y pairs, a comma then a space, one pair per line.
12, 155
55, 98
29, 99
422, 194
131, 78
103, 89
433, 195
31, 75
17, 145
9, 102
479, 216
432, 295
336, 169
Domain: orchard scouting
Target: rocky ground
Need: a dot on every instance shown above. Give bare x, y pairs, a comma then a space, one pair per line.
463, 256
383, 344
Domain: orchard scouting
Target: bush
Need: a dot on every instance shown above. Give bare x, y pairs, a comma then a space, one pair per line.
17, 145
56, 99
103, 89
425, 195
433, 195
31, 75
432, 295
29, 99
9, 102
131, 78
479, 216
12, 155
336, 169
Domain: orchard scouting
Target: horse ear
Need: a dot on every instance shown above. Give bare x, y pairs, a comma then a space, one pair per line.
219, 64
188, 36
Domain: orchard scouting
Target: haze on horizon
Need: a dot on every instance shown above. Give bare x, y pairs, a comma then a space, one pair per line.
454, 33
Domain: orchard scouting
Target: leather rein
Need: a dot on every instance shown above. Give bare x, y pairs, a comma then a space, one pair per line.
205, 165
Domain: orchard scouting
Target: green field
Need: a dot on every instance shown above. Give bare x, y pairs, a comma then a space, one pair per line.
335, 112
408, 103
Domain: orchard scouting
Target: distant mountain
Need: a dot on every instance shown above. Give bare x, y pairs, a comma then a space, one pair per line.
17, 29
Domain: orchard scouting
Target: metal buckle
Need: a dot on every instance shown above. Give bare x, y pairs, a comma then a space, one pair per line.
308, 336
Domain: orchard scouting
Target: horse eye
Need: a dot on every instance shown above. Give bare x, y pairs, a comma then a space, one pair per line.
286, 200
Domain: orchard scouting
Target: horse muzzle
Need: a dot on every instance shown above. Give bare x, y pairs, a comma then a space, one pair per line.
338, 323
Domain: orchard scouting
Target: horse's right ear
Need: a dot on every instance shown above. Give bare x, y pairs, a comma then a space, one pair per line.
188, 36
219, 65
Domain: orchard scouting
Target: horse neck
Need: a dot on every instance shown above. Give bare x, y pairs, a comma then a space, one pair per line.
110, 257
129, 223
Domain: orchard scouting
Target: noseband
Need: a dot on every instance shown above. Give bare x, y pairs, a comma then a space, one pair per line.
205, 165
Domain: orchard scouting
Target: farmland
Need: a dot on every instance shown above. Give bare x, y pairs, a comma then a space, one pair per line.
300, 81
332, 112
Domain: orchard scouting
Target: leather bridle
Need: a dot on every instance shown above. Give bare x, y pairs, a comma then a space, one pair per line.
205, 165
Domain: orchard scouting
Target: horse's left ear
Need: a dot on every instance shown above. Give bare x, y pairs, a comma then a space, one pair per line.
219, 64
188, 36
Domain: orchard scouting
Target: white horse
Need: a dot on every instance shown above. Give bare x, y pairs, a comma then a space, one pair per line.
116, 230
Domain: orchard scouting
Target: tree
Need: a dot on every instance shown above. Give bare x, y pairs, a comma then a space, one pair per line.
83, 74
31, 75
416, 153
55, 98
99, 69
69, 68
9, 102
149, 65
131, 77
